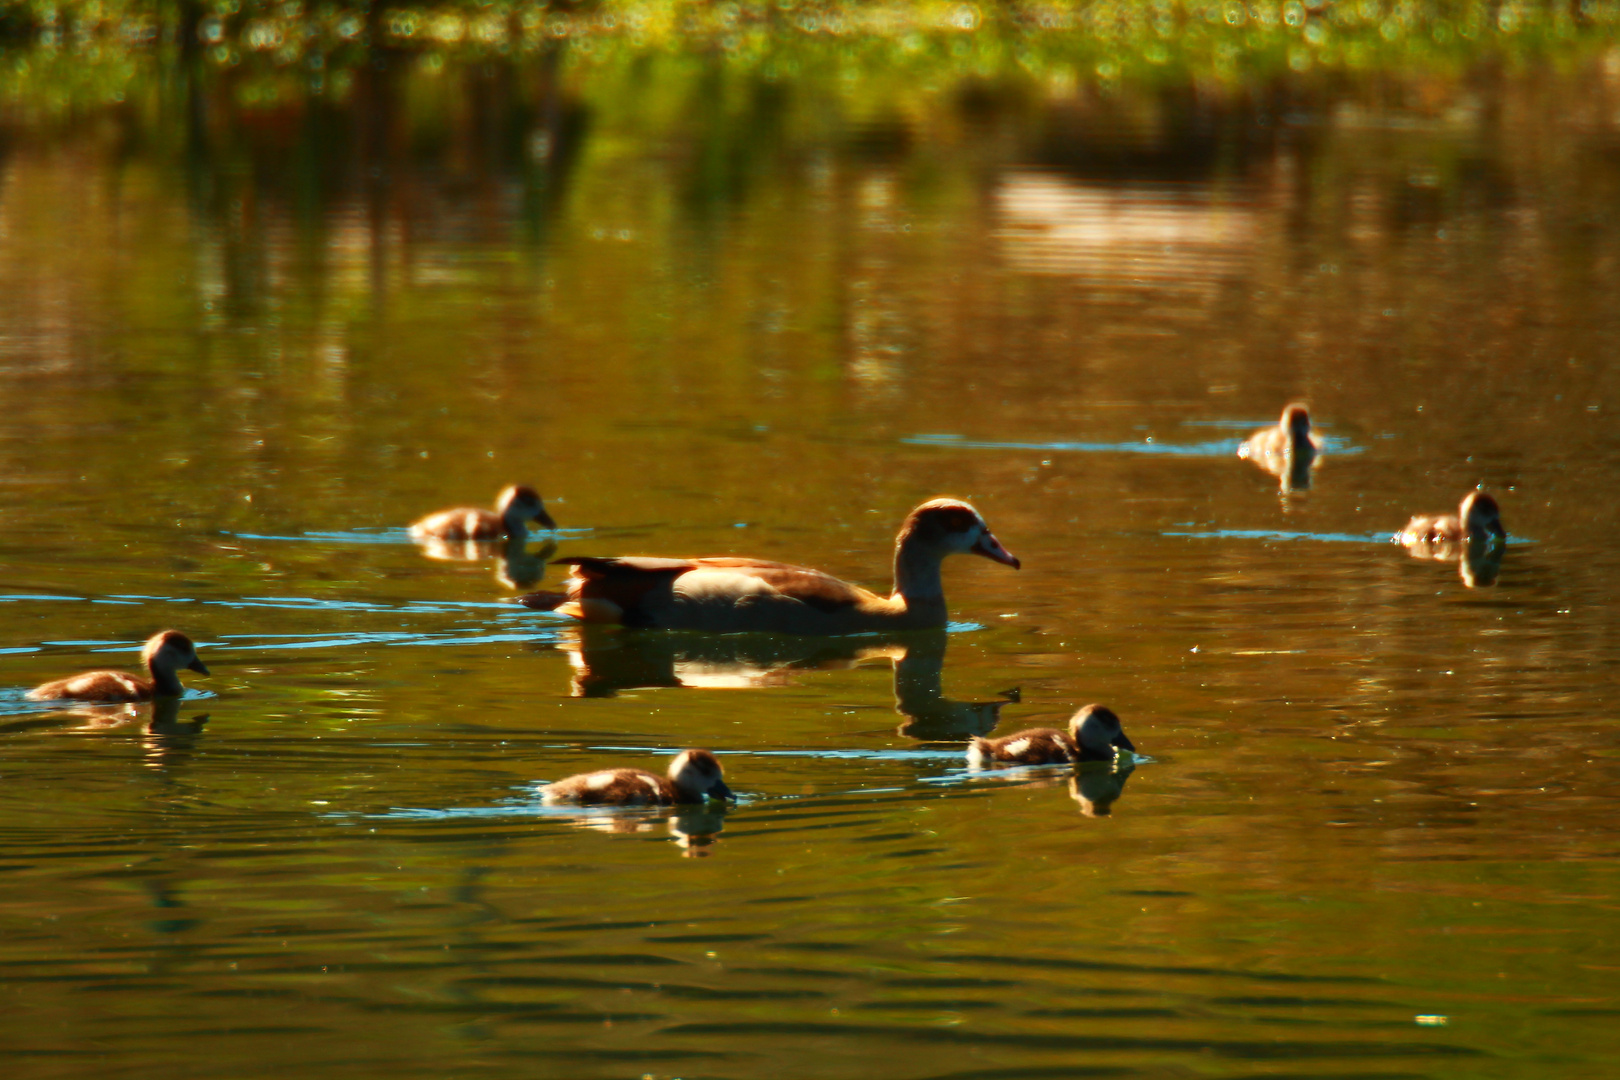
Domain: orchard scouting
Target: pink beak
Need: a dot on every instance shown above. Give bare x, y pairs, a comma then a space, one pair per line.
991, 548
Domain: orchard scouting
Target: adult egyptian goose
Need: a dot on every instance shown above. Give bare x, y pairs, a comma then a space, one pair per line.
1094, 734
165, 654
694, 775
731, 594
514, 508
1477, 519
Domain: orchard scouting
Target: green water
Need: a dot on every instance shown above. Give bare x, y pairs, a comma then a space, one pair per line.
1374, 831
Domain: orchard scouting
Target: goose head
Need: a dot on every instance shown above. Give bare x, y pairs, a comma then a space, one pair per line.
942, 527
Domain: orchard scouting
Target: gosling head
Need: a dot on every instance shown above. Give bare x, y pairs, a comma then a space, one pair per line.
1296, 420
519, 503
1480, 516
696, 775
951, 526
1097, 732
170, 650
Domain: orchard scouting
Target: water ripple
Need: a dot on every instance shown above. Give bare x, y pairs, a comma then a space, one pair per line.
1380, 537
1149, 445
392, 534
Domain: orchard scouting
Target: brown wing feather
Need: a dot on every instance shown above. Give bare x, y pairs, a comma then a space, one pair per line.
626, 580
595, 567
622, 581
810, 587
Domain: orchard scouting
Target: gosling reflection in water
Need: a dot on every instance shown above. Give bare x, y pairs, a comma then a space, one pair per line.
693, 828
1288, 450
606, 661
516, 567
1473, 537
165, 722
169, 740
1097, 785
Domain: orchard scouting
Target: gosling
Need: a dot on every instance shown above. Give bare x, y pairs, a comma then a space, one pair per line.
694, 775
1094, 734
514, 508
1477, 519
164, 655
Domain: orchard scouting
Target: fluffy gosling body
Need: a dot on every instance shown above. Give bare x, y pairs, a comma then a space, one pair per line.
1478, 518
694, 775
165, 654
1290, 436
1095, 734
515, 507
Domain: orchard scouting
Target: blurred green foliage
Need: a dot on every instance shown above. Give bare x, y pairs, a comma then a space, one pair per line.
73, 54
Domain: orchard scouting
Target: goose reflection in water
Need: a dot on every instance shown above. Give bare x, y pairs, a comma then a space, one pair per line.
606, 661
919, 696
516, 567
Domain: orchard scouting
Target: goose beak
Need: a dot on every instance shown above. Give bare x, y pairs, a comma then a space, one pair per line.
1124, 743
720, 791
198, 666
543, 520
991, 548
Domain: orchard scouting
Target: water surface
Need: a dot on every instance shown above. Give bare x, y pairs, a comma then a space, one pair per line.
1374, 835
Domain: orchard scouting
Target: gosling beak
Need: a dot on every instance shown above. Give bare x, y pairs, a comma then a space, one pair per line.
543, 520
991, 548
198, 666
720, 791
1123, 743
